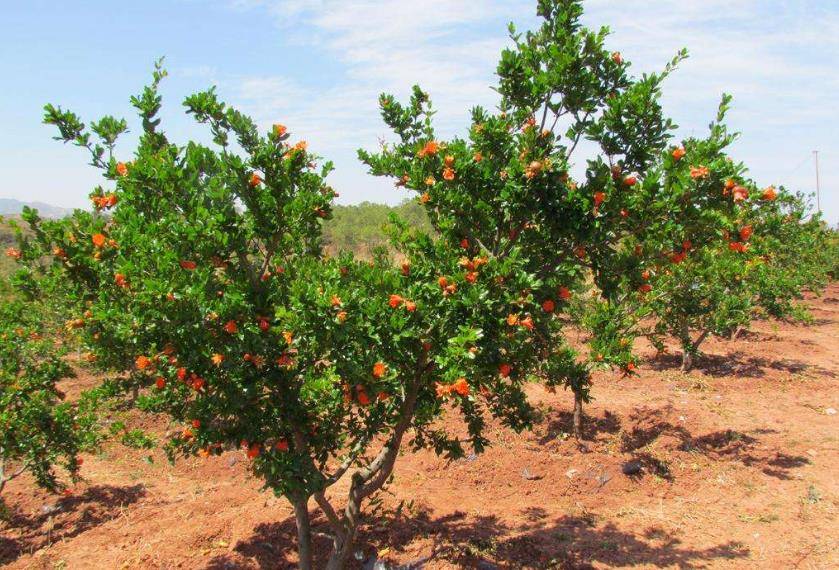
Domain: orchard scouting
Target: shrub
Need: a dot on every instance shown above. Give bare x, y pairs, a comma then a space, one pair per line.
201, 274
39, 433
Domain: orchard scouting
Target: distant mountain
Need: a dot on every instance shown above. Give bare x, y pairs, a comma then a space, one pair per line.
9, 206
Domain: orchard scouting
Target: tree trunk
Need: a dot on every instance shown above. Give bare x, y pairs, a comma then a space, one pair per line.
578, 415
687, 360
344, 545
304, 534
687, 344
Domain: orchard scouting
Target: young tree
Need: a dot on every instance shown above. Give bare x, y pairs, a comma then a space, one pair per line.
201, 274
509, 185
723, 251
38, 432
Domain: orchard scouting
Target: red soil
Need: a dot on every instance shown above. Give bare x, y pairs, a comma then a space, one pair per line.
738, 462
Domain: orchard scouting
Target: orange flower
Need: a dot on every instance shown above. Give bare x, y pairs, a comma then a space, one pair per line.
461, 387
738, 247
617, 57
181, 374
442, 282
341, 316
254, 450
527, 322
678, 257
697, 172
406, 268
512, 319
548, 306
598, 198
13, 253
505, 370
645, 288
160, 383
645, 275
679, 153
336, 301
198, 383
263, 324
430, 149
284, 360
122, 169
740, 193
302, 145
410, 306
230, 327
769, 194
425, 198
98, 240
196, 424
564, 293
478, 157
448, 174
255, 180
472, 276
464, 243
580, 251
395, 301
217, 359
687, 245
120, 280
279, 130
745, 233
449, 160
362, 396
379, 369
630, 181
288, 336
143, 363
281, 445
188, 265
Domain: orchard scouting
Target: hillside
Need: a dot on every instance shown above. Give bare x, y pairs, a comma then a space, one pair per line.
10, 206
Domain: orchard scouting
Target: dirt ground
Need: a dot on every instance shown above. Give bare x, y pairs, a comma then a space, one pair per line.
738, 464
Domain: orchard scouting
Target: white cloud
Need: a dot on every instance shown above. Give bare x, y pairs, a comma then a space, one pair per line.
774, 56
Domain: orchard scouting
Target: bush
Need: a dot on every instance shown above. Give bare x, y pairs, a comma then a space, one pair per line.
205, 280
38, 432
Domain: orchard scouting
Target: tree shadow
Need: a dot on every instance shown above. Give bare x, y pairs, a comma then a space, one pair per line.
66, 518
562, 422
565, 542
725, 445
737, 364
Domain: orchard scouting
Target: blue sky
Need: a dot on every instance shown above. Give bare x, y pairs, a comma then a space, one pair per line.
318, 65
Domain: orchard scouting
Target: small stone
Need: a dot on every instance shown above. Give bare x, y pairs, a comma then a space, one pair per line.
570, 473
526, 474
50, 509
232, 461
830, 411
631, 468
